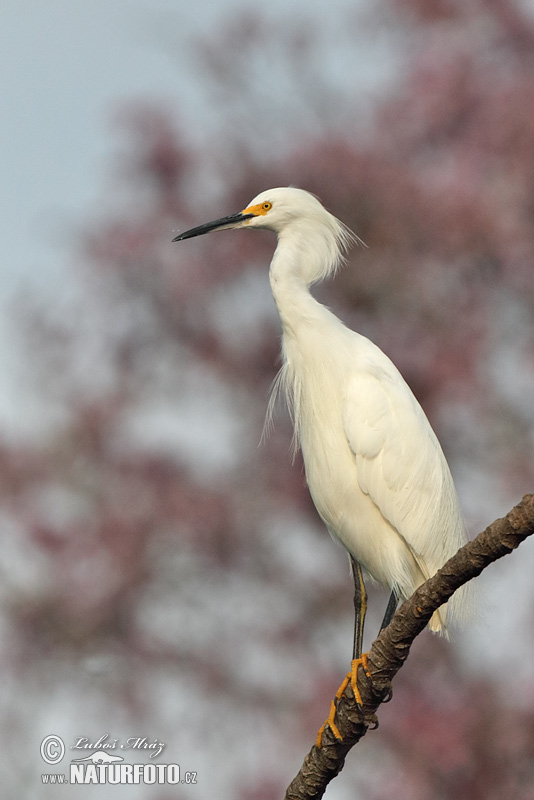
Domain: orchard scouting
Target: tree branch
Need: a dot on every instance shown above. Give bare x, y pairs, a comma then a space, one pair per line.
390, 650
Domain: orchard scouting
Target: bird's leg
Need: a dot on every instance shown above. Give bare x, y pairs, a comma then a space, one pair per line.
390, 610
360, 609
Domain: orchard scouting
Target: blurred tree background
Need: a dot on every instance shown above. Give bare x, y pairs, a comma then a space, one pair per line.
165, 577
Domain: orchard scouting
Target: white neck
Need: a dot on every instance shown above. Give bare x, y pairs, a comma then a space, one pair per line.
304, 255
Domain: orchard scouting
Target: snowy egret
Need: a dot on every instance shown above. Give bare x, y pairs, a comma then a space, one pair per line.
374, 466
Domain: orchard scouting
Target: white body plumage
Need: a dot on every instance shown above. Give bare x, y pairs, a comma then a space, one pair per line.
374, 467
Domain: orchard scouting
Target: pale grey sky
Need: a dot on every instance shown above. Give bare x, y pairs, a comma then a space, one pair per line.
66, 64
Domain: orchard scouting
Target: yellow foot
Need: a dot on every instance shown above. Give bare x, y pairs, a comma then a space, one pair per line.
353, 674
352, 678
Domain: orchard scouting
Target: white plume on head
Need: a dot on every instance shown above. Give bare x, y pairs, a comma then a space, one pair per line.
317, 239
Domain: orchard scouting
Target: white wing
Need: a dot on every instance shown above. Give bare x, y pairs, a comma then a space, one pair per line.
400, 464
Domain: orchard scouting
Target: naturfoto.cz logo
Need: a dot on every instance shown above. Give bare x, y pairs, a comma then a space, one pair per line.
104, 767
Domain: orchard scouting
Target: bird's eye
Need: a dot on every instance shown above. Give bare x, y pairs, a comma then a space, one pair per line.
266, 206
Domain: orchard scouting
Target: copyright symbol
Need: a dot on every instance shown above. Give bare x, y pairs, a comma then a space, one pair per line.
52, 749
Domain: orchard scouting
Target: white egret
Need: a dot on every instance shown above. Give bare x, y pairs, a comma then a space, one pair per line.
374, 467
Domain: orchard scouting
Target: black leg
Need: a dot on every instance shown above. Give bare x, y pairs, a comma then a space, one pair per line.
360, 607
390, 610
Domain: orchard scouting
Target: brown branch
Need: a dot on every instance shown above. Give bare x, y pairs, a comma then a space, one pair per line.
390, 650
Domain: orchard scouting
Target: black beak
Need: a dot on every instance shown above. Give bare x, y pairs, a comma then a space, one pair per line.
231, 221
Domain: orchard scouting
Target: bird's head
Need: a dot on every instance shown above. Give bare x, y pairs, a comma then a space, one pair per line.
273, 209
300, 221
